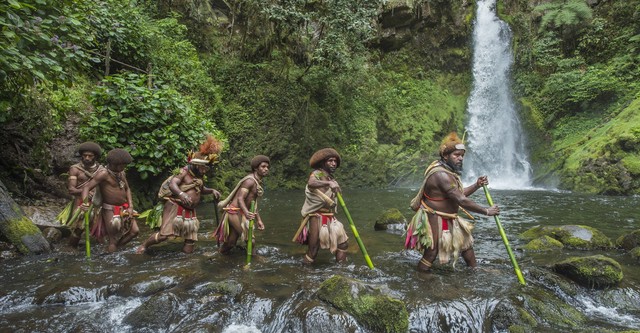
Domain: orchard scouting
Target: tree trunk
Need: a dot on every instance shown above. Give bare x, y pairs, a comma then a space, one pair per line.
18, 228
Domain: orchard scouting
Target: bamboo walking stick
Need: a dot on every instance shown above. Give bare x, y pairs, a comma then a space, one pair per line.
355, 232
250, 234
87, 232
504, 239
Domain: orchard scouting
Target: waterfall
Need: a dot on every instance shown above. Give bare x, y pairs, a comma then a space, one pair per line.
495, 140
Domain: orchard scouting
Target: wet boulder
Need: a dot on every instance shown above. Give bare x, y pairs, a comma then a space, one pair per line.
52, 235
534, 310
571, 236
214, 291
592, 272
18, 228
390, 217
368, 305
155, 314
544, 243
629, 241
635, 254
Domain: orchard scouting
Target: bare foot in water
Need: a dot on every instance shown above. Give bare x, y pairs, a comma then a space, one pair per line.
141, 249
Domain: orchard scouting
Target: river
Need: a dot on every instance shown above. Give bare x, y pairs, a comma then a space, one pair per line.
64, 292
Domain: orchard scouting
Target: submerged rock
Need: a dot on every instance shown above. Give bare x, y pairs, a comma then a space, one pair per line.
572, 236
156, 314
544, 243
390, 216
367, 305
592, 272
629, 241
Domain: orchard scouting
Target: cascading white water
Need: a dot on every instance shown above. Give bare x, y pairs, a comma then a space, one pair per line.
495, 140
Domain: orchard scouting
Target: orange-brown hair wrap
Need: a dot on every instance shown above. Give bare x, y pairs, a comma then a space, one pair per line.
450, 144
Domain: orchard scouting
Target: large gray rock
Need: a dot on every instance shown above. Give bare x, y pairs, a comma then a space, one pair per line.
18, 228
629, 241
592, 272
572, 236
367, 305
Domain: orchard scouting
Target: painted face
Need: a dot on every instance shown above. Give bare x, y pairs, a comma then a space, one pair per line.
331, 164
454, 160
263, 169
88, 158
199, 170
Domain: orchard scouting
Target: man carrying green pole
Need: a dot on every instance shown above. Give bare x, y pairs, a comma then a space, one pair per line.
436, 227
319, 227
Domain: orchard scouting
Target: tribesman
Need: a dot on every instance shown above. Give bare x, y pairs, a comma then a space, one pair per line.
117, 206
181, 194
319, 227
237, 206
436, 227
79, 175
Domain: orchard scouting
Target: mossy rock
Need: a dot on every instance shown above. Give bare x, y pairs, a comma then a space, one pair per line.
571, 236
549, 309
511, 316
544, 243
367, 305
592, 272
629, 241
635, 254
389, 216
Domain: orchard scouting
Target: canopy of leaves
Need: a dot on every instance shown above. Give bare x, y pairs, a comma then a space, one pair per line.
157, 125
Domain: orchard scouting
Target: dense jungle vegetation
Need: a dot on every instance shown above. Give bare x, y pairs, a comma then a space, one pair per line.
381, 81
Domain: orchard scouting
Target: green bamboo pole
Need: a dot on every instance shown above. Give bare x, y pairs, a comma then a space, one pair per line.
355, 232
87, 243
250, 234
504, 239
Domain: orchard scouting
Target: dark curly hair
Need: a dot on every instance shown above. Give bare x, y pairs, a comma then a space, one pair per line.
119, 156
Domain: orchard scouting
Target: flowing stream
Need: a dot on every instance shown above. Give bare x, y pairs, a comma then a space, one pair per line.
167, 291
495, 140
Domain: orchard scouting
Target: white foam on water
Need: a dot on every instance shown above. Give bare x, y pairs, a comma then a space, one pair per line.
240, 328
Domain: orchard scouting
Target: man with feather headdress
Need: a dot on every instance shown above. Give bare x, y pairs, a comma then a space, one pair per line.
181, 194
436, 227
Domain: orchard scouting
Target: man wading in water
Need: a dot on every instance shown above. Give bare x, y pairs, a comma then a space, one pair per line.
237, 205
117, 208
436, 226
79, 174
319, 227
181, 195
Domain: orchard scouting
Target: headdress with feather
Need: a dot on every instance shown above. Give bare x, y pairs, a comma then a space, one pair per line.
208, 154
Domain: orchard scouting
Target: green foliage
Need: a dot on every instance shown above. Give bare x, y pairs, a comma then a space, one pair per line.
569, 91
158, 126
41, 40
564, 15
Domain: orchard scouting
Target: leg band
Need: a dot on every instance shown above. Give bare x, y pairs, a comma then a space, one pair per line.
308, 259
425, 262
